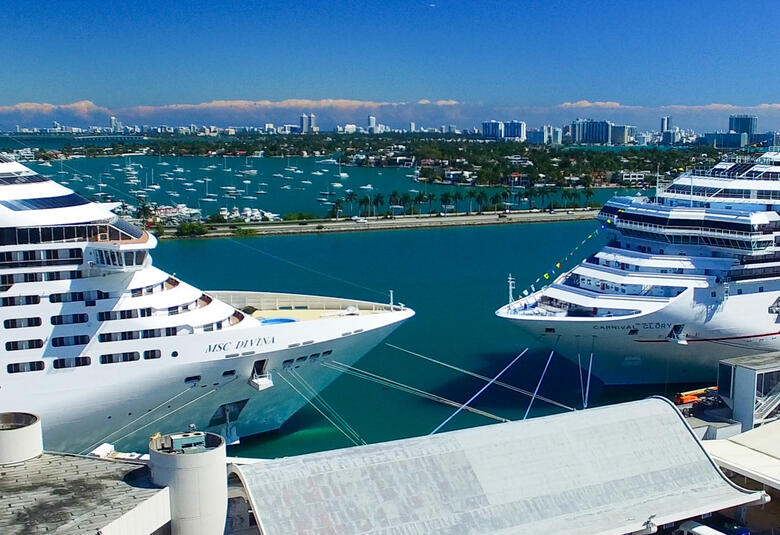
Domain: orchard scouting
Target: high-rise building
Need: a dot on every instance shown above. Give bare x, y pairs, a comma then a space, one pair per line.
557, 136
746, 124
493, 129
590, 131
515, 129
371, 124
304, 124
412, 127
313, 123
623, 134
666, 123
114, 125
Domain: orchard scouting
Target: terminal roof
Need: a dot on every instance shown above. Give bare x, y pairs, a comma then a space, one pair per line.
754, 454
760, 362
607, 470
69, 493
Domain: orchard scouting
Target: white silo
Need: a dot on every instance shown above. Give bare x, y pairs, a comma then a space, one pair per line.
192, 466
21, 437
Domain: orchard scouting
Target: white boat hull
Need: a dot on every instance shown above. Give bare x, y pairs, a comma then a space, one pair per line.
638, 350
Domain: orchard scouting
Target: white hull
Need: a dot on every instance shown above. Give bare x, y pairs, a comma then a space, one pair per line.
715, 329
145, 398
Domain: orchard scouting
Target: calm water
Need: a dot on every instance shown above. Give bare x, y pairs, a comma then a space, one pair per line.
288, 192
454, 278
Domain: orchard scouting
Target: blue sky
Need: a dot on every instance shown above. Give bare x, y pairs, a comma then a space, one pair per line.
490, 57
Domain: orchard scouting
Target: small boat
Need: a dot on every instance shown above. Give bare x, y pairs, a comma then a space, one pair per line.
367, 187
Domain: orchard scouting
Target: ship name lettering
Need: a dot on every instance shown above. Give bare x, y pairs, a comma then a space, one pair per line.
241, 344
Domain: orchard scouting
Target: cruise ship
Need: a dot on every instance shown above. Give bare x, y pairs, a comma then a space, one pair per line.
687, 278
105, 347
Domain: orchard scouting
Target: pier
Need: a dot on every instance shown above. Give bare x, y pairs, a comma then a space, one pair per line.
405, 222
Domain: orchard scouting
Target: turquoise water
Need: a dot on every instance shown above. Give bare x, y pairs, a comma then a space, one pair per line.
454, 278
288, 193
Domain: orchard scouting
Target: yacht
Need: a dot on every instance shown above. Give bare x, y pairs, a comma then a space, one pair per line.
687, 278
106, 347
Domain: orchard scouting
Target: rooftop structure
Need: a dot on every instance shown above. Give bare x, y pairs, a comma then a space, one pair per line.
586, 472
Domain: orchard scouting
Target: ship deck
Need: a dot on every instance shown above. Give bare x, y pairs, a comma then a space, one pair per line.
298, 307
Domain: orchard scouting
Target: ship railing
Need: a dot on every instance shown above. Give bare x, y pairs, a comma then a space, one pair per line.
282, 301
692, 231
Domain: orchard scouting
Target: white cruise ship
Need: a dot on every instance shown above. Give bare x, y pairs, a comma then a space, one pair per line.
687, 278
105, 347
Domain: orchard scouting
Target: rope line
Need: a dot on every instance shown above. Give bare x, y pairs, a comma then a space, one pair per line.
454, 414
314, 395
166, 415
334, 424
362, 374
484, 377
144, 415
539, 384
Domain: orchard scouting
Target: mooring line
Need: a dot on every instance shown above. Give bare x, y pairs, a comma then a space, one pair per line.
362, 374
483, 377
334, 424
314, 395
539, 384
475, 396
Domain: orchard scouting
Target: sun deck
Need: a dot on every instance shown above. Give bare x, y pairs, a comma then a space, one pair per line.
281, 306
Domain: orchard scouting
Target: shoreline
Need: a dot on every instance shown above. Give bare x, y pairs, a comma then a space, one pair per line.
407, 222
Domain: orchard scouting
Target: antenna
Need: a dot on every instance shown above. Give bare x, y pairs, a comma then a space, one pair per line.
511, 283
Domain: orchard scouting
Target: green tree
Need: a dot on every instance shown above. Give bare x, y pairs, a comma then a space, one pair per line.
472, 195
456, 197
351, 197
377, 201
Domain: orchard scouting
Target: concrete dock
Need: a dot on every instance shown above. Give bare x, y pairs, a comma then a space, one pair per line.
397, 223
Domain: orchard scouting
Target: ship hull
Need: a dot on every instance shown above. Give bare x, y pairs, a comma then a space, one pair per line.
149, 396
639, 349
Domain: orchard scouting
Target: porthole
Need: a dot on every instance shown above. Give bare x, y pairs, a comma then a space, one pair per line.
174, 353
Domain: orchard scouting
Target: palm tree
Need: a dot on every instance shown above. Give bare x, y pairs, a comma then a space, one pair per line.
377, 201
588, 192
350, 198
471, 194
430, 197
418, 200
336, 208
482, 199
365, 202
457, 196
405, 200
496, 199
445, 199
393, 197
531, 192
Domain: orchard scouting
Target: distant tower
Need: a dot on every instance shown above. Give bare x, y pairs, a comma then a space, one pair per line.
304, 123
371, 124
312, 122
743, 124
412, 127
114, 124
666, 123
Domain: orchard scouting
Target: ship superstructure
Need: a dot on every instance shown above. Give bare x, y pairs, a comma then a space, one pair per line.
687, 278
105, 347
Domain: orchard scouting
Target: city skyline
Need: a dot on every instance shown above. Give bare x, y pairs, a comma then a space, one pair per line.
431, 62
